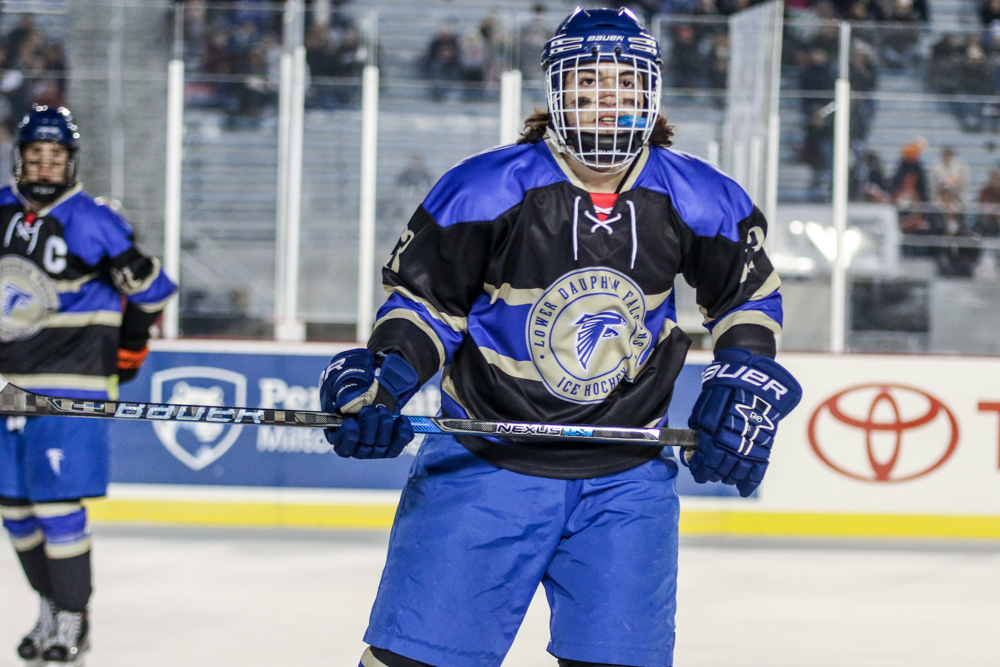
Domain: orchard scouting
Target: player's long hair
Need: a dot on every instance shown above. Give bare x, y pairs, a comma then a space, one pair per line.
537, 123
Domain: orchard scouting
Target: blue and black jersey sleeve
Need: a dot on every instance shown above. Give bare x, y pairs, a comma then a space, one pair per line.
722, 237
439, 265
107, 242
135, 274
432, 278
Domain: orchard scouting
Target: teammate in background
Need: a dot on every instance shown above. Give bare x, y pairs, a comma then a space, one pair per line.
77, 299
540, 277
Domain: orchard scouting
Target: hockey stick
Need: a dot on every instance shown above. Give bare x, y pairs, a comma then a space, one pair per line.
15, 401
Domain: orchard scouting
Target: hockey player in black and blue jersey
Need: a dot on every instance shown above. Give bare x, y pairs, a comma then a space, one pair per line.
77, 299
540, 278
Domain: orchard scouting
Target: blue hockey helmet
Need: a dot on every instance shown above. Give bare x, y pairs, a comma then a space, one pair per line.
602, 85
44, 123
53, 125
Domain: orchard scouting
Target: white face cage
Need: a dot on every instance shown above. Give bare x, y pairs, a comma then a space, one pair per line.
603, 111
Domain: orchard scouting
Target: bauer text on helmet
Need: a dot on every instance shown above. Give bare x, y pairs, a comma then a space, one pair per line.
603, 86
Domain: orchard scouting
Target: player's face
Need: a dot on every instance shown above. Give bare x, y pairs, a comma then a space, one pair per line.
597, 95
44, 162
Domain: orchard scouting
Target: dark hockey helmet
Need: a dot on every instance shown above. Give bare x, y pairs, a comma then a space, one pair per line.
54, 125
625, 111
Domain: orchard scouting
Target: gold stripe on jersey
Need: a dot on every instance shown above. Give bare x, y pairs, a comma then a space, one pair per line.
413, 317
72, 286
65, 381
109, 318
525, 370
770, 286
152, 307
636, 170
455, 323
513, 296
744, 317
528, 370
448, 387
668, 326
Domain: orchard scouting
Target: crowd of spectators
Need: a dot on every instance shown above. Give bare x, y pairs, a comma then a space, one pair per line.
885, 34
336, 54
468, 62
233, 50
34, 71
236, 49
967, 64
889, 30
941, 217
232, 57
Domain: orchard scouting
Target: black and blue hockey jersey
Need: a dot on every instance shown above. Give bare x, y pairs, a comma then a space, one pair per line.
542, 307
67, 274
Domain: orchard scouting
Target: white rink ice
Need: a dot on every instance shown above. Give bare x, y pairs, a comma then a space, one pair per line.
170, 597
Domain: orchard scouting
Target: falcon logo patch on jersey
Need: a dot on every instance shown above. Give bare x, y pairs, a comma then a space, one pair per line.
13, 299
592, 328
587, 334
27, 298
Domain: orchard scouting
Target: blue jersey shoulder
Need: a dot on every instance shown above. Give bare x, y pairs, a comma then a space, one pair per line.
708, 201
483, 186
7, 195
92, 230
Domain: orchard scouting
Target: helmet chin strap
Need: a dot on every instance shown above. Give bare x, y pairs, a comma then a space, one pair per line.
619, 147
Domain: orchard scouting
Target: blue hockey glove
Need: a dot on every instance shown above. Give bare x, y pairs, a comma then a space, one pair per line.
369, 391
742, 399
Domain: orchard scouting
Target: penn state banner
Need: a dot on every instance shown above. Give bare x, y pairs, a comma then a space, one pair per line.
201, 453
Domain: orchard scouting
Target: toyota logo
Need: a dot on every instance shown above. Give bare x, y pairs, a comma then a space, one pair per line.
883, 432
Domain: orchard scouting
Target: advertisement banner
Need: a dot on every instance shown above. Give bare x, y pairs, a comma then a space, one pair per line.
258, 376
889, 434
879, 446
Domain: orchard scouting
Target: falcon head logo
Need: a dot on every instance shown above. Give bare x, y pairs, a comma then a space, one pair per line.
14, 298
587, 334
591, 329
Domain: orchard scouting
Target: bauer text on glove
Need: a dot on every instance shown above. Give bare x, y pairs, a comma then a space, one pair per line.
743, 397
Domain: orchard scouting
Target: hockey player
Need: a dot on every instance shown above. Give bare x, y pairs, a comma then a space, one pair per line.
77, 299
540, 277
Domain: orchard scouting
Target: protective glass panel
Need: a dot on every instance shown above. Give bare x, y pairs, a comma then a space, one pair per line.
337, 51
923, 115
923, 223
439, 104
229, 183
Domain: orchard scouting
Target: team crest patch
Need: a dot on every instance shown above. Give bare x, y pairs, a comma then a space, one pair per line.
586, 334
27, 298
197, 444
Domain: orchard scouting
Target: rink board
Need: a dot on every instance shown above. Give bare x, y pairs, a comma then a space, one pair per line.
880, 446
